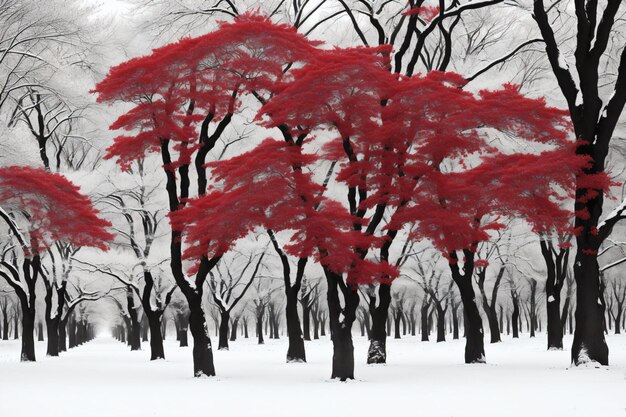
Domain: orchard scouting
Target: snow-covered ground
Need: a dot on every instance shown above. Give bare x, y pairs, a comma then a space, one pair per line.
104, 379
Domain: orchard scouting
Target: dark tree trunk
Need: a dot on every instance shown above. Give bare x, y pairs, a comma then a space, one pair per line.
295, 349
202, 349
5, 326
145, 328
403, 320
341, 321
183, 338
306, 321
233, 331
556, 265
377, 352
565, 312
555, 327
489, 307
52, 329
441, 323
474, 342
397, 321
72, 332
134, 331
183, 323
259, 328
589, 343
424, 321
455, 322
16, 325
316, 326
222, 343
532, 309
156, 339
28, 334
62, 336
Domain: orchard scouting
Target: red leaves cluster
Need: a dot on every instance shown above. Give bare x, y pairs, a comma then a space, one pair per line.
181, 84
270, 187
427, 13
54, 207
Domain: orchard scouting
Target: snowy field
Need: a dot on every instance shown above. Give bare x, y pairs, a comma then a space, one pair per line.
104, 379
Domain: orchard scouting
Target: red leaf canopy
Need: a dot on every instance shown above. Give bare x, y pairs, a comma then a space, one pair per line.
211, 71
55, 208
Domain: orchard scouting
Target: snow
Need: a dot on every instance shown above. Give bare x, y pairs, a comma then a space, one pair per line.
104, 379
562, 63
579, 99
615, 213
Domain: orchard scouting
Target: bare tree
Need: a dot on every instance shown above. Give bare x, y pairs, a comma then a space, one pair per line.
226, 291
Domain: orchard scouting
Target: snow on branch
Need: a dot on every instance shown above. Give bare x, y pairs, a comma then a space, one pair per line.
15, 229
606, 226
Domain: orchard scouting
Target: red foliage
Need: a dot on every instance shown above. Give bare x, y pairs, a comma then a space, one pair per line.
423, 145
269, 188
54, 207
213, 71
427, 13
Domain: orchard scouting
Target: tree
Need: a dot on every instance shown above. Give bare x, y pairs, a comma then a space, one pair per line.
484, 253
401, 174
344, 90
594, 119
209, 74
51, 209
557, 264
224, 295
45, 114
141, 221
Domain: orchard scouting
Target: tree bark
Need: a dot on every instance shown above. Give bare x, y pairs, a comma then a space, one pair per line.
455, 321
28, 334
62, 337
202, 350
156, 339
341, 320
295, 349
233, 330
589, 343
474, 337
489, 307
222, 343
52, 330
377, 352
556, 266
441, 323
134, 331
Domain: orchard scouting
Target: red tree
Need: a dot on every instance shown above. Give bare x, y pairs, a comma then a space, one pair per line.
185, 96
463, 187
419, 148
41, 208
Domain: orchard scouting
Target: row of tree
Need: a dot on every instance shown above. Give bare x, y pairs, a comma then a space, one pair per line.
351, 163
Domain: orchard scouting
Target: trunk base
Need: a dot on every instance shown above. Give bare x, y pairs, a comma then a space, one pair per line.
377, 352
